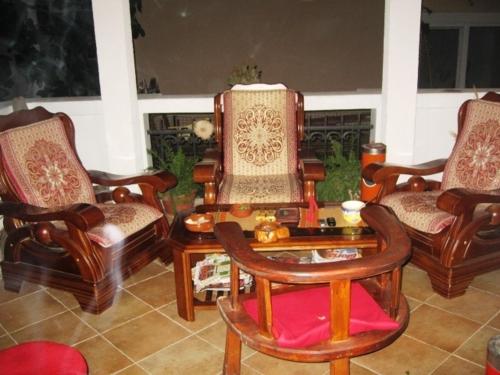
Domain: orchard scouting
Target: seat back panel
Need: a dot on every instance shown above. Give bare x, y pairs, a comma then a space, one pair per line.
260, 132
475, 160
42, 167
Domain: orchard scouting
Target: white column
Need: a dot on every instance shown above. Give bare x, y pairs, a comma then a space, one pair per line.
115, 58
400, 78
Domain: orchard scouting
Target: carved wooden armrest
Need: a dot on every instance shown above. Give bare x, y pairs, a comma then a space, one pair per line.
387, 176
209, 172
459, 201
209, 168
379, 172
396, 253
82, 215
312, 169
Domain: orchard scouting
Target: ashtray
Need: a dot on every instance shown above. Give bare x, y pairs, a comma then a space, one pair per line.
199, 222
241, 210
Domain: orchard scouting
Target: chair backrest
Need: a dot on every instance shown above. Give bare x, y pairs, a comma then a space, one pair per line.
475, 160
260, 132
39, 164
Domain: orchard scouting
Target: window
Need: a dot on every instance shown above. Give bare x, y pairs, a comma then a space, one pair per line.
47, 49
459, 51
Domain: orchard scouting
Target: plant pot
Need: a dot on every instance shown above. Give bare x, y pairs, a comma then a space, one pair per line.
179, 203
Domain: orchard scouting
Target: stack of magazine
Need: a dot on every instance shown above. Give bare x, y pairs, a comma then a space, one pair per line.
213, 273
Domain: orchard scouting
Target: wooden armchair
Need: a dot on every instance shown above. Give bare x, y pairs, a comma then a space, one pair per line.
332, 312
59, 232
453, 224
258, 130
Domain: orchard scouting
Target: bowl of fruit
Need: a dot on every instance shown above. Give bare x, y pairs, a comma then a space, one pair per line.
199, 222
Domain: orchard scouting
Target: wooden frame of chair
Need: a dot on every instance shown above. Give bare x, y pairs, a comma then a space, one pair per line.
379, 273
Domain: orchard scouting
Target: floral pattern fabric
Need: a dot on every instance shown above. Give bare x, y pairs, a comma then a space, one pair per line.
260, 132
475, 159
261, 189
42, 167
418, 210
122, 220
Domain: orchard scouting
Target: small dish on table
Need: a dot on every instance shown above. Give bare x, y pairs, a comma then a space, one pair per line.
199, 222
241, 210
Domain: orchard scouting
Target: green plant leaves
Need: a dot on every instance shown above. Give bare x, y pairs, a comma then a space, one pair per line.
342, 176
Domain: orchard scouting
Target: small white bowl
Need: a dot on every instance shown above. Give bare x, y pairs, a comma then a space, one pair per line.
351, 209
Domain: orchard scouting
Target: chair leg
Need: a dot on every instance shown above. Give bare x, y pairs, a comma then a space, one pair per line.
12, 284
232, 356
340, 367
448, 285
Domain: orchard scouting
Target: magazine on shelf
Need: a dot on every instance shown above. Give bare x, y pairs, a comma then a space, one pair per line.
213, 273
335, 255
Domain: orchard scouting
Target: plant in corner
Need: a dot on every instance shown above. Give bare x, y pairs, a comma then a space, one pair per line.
342, 176
181, 197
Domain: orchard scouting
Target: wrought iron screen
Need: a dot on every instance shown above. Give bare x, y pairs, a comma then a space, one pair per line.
351, 128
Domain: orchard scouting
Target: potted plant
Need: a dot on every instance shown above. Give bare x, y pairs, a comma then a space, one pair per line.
244, 74
342, 176
180, 198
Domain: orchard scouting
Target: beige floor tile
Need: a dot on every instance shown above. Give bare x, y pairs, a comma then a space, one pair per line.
29, 309
26, 288
358, 370
495, 322
273, 366
457, 366
63, 328
245, 370
132, 370
156, 291
489, 281
405, 355
102, 357
66, 298
125, 307
216, 335
467, 305
6, 342
413, 303
190, 356
475, 348
145, 335
416, 284
151, 270
440, 328
204, 317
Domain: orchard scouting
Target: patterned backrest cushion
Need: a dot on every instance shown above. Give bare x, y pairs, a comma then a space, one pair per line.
475, 160
42, 167
260, 132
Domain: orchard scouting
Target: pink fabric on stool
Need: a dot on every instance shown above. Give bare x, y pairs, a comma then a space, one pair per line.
42, 358
301, 318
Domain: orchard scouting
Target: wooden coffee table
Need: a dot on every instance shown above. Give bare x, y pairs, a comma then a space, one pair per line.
189, 247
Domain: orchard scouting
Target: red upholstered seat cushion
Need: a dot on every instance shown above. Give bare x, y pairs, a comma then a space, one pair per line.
302, 318
42, 358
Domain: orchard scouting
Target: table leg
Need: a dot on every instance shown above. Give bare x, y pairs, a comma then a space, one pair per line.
183, 285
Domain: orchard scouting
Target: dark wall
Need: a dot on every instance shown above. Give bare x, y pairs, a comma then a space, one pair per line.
192, 46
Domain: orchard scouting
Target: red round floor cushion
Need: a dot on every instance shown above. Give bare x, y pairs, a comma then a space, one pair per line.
42, 358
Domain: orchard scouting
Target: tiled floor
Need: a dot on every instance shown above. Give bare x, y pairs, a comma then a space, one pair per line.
141, 333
